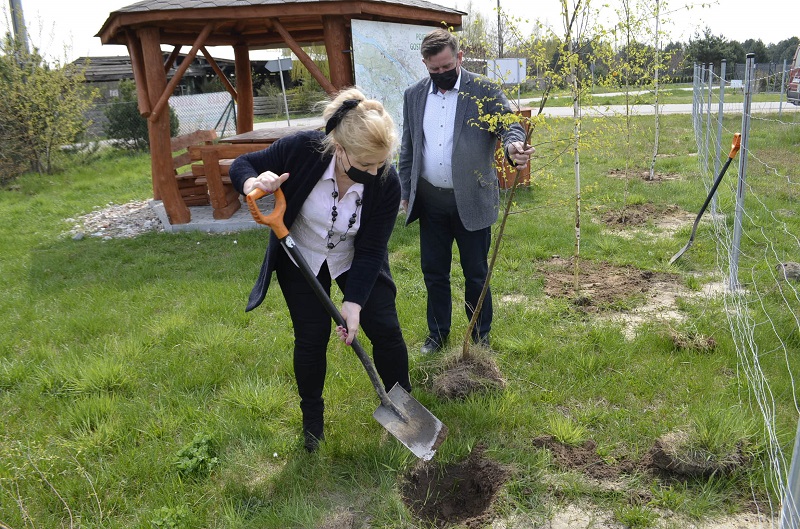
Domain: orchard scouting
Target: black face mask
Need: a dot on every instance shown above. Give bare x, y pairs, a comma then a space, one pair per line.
445, 80
360, 176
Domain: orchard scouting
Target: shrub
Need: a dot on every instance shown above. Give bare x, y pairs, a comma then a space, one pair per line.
42, 109
127, 125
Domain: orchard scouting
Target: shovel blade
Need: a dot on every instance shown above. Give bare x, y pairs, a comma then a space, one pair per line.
680, 252
419, 430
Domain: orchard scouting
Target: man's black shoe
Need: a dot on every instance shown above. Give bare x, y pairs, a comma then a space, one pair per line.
431, 345
482, 341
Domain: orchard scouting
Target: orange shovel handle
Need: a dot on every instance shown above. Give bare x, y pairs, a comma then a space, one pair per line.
275, 219
737, 143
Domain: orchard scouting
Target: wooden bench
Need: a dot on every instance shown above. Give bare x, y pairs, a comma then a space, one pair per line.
212, 171
192, 192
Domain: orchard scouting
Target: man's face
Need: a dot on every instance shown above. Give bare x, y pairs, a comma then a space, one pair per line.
443, 61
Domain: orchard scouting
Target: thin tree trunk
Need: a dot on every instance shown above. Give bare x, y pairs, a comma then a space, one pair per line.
658, 59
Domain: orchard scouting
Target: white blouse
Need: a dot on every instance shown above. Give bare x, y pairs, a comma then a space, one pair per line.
314, 230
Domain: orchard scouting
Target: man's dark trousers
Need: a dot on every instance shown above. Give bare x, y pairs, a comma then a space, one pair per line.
440, 225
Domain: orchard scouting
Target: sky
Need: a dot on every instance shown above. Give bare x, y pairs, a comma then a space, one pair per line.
62, 28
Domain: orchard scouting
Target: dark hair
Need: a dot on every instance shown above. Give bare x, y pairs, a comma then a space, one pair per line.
436, 41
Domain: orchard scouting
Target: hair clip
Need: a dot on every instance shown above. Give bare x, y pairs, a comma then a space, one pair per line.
337, 116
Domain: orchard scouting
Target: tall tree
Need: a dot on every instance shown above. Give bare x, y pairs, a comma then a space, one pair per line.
757, 48
707, 48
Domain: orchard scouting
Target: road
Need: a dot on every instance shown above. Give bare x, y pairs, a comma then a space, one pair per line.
600, 110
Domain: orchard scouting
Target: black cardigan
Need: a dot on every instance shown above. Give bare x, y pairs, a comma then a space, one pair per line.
300, 155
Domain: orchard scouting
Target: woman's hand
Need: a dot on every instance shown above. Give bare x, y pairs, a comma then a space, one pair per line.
351, 312
266, 181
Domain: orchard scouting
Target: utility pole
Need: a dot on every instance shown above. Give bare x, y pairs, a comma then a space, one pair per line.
18, 23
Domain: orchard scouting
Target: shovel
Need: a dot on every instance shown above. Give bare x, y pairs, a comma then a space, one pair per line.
737, 141
402, 415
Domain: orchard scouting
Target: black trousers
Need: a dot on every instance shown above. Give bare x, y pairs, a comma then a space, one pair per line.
439, 226
312, 331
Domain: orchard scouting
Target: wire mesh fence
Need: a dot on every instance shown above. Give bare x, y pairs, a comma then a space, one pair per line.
757, 247
121, 120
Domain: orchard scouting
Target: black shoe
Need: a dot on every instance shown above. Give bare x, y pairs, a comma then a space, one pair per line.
482, 341
431, 345
313, 433
311, 442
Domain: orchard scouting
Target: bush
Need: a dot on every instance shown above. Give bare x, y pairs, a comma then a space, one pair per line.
127, 125
41, 111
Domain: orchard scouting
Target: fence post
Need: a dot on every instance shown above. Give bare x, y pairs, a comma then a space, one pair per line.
783, 88
694, 95
708, 118
720, 115
701, 87
789, 514
733, 284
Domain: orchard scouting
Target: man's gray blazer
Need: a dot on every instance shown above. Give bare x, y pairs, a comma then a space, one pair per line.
474, 175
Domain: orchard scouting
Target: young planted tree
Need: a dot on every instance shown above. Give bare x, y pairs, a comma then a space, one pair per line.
566, 62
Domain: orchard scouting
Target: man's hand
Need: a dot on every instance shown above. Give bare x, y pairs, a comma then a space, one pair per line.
520, 155
351, 312
404, 206
266, 181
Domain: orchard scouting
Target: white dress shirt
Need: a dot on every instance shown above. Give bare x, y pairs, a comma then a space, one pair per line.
438, 125
311, 227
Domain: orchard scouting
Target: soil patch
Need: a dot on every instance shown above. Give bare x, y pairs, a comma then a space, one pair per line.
672, 455
459, 493
464, 377
583, 458
644, 175
641, 214
670, 458
600, 284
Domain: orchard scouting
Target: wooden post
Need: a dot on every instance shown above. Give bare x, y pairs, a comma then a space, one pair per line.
160, 152
171, 59
312, 68
187, 61
139, 77
244, 89
337, 46
222, 78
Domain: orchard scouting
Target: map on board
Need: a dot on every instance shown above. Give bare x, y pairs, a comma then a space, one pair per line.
387, 61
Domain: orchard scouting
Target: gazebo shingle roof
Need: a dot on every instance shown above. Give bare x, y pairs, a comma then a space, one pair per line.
166, 5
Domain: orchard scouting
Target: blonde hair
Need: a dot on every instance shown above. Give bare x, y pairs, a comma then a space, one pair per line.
364, 130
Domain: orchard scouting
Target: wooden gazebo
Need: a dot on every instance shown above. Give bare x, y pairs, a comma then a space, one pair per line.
244, 25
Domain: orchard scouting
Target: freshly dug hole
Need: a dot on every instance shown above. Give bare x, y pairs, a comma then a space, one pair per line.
460, 493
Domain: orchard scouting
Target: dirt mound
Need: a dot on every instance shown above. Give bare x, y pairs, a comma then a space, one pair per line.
672, 454
638, 214
583, 458
466, 376
459, 493
670, 458
643, 174
600, 284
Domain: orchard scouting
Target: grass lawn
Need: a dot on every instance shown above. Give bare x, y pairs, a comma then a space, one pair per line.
135, 392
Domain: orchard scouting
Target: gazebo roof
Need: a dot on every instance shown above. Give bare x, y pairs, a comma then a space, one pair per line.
248, 21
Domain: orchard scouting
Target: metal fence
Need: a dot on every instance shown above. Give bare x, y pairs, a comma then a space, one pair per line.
754, 251
194, 112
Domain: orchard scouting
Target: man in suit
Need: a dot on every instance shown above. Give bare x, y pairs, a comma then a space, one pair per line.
448, 178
